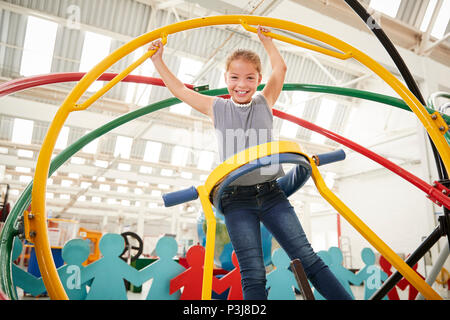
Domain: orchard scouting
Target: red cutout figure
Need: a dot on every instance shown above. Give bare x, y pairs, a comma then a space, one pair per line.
386, 266
231, 280
192, 278
403, 284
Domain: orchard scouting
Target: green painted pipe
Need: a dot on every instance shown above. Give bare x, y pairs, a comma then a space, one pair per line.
10, 229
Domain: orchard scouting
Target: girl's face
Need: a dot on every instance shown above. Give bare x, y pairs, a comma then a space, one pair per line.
242, 80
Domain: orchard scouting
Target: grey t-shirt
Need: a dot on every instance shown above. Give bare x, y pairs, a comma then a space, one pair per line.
239, 128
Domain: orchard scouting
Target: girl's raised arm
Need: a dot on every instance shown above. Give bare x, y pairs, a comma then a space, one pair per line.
196, 100
275, 83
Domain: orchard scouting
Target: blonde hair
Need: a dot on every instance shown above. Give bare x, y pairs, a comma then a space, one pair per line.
246, 55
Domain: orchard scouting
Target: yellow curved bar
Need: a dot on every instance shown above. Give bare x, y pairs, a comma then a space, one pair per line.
298, 43
45, 261
248, 155
208, 265
409, 274
219, 173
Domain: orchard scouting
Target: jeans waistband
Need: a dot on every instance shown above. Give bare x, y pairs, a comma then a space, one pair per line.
269, 185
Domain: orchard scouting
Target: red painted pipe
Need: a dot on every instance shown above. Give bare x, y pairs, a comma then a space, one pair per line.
432, 192
39, 80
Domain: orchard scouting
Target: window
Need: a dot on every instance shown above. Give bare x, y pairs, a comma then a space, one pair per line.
324, 118
179, 156
139, 93
205, 160
387, 7
152, 151
22, 131
166, 172
95, 48
186, 73
123, 147
427, 17
91, 147
63, 137
288, 128
38, 47
442, 20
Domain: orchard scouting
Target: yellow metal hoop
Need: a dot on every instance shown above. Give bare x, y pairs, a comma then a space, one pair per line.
38, 224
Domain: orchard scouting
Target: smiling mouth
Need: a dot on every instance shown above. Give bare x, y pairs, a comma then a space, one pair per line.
241, 92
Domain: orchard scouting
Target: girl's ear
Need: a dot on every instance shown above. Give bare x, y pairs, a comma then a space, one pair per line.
259, 78
225, 77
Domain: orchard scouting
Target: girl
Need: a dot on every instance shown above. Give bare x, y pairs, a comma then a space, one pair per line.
241, 122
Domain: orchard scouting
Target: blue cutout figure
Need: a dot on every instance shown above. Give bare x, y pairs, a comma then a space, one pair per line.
326, 258
22, 279
371, 274
109, 271
280, 281
163, 270
74, 253
344, 275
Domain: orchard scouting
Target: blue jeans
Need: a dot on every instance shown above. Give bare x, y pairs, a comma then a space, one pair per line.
244, 207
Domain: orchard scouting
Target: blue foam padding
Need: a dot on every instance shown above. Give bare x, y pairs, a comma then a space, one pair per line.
329, 157
181, 196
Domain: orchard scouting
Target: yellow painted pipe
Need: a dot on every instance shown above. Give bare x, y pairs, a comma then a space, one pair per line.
70, 104
208, 265
409, 274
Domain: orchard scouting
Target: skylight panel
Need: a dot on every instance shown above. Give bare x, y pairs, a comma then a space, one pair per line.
186, 175
22, 131
179, 156
123, 147
442, 20
96, 47
324, 118
428, 13
288, 128
38, 46
25, 153
387, 7
104, 187
139, 93
145, 169
167, 172
205, 160
124, 166
63, 137
91, 147
152, 151
77, 160
186, 73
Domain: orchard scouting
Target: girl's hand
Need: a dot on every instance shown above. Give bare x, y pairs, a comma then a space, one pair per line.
262, 37
159, 47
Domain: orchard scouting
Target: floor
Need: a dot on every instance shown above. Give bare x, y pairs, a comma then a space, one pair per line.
358, 292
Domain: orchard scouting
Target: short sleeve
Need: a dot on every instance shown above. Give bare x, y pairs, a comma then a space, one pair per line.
218, 110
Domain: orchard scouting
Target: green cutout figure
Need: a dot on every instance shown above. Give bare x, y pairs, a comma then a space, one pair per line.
21, 278
109, 271
371, 274
281, 281
74, 253
163, 270
344, 275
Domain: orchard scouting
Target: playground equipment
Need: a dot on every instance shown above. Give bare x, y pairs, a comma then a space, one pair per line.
434, 123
